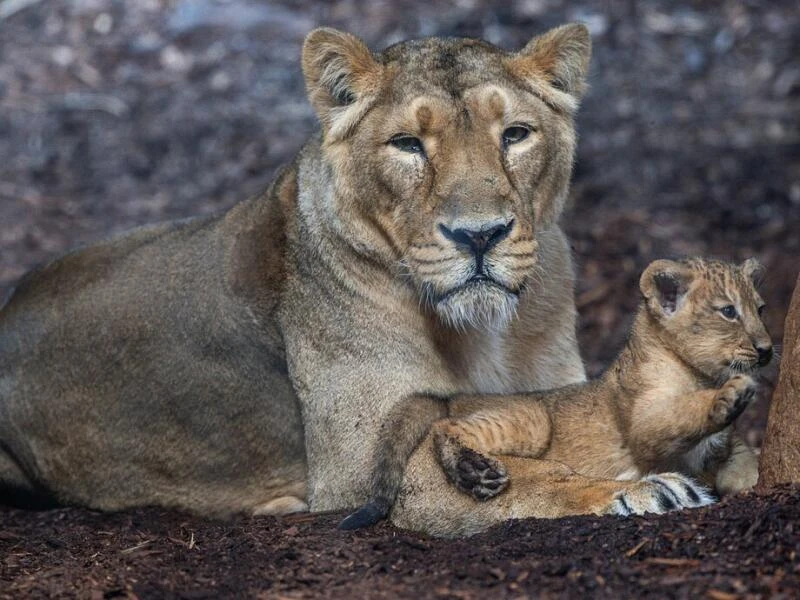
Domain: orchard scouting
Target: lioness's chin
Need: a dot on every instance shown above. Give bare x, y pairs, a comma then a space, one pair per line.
482, 305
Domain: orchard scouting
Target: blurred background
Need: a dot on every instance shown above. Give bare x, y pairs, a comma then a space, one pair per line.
115, 114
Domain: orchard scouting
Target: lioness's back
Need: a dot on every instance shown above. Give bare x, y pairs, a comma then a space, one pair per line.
148, 334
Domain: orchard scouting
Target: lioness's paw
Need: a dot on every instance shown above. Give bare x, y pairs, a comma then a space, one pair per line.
660, 493
473, 473
732, 398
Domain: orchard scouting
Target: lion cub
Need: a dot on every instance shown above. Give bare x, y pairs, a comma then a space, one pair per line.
666, 404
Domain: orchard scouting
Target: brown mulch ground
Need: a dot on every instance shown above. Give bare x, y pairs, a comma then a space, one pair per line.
114, 114
744, 547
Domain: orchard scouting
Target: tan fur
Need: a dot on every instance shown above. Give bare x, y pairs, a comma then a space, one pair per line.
660, 407
248, 362
281, 506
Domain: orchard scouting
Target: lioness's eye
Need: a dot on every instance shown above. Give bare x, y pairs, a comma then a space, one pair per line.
515, 134
407, 143
729, 312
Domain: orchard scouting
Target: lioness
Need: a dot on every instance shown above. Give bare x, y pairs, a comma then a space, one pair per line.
246, 362
667, 403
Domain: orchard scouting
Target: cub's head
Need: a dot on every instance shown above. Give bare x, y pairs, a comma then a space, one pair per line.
446, 156
710, 313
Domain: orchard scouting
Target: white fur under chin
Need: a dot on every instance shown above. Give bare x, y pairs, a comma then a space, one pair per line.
481, 307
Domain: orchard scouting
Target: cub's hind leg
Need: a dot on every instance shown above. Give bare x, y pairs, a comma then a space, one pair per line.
740, 471
462, 445
538, 488
658, 493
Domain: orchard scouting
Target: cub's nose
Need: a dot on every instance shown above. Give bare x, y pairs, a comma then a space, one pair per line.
478, 239
764, 354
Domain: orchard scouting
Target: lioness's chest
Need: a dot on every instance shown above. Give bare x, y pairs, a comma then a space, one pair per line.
482, 364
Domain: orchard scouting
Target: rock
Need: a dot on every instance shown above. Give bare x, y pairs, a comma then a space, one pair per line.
190, 15
173, 59
63, 56
695, 58
681, 22
103, 23
724, 41
780, 457
787, 83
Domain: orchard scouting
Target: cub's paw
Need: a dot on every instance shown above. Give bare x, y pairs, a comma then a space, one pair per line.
739, 473
473, 473
731, 399
660, 493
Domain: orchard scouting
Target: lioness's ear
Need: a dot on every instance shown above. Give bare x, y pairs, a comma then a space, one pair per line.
560, 56
664, 284
342, 77
751, 267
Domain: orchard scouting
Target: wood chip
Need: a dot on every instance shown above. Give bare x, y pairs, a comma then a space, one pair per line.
673, 562
637, 547
136, 547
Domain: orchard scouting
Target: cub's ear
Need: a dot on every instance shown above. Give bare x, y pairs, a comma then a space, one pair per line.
342, 77
752, 268
560, 57
664, 284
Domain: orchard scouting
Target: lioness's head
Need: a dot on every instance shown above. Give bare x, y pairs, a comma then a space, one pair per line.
710, 312
447, 156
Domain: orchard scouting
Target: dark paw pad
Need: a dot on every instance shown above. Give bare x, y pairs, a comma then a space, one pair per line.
479, 476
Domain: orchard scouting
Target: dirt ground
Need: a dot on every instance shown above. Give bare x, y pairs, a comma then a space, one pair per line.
114, 114
746, 547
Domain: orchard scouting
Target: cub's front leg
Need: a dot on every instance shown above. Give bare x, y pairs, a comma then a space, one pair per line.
740, 471
735, 466
663, 429
730, 401
462, 444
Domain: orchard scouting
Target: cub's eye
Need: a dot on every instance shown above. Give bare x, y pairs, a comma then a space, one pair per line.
515, 134
761, 310
729, 312
407, 143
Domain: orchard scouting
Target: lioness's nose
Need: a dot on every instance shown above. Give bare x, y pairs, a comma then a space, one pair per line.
764, 354
480, 239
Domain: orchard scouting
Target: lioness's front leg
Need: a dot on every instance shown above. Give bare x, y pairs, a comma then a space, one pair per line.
664, 429
462, 445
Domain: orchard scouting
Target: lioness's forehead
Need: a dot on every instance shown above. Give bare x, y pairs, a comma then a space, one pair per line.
452, 65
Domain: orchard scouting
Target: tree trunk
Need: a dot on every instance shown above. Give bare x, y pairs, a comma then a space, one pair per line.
780, 457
